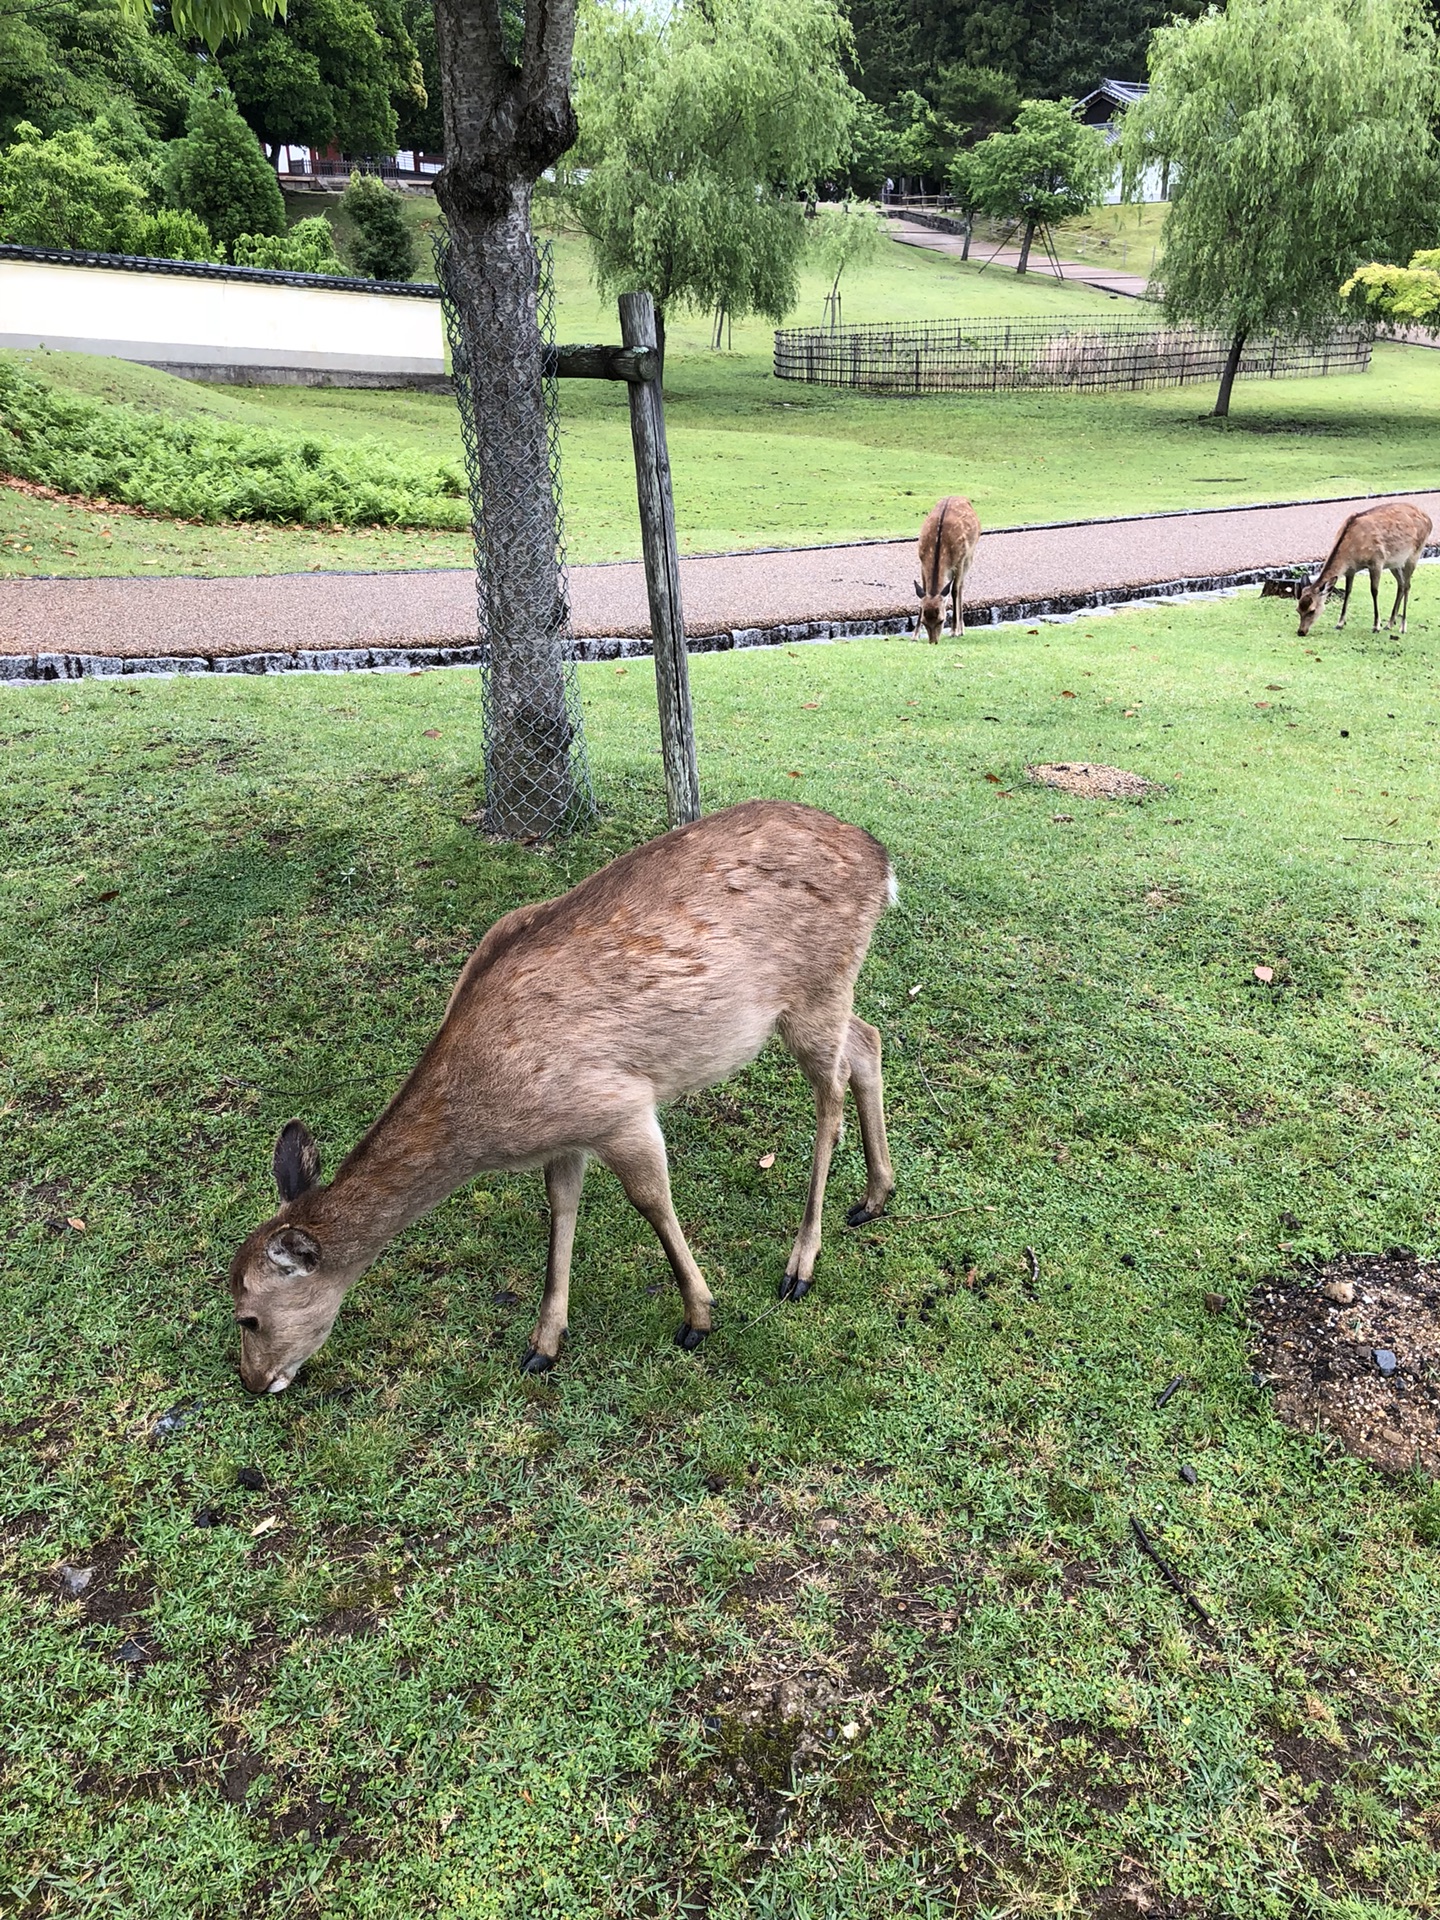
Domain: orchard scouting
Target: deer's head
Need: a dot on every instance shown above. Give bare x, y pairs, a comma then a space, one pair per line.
286, 1290
932, 613
1312, 598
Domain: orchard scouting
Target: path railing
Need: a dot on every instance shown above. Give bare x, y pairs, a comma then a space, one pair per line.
1097, 356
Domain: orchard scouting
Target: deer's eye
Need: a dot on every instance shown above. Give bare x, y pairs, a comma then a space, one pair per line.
249, 1321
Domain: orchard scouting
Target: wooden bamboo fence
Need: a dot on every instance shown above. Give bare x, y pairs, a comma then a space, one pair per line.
1096, 356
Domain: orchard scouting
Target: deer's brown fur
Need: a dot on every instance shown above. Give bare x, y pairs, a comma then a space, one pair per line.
1392, 537
570, 1024
948, 541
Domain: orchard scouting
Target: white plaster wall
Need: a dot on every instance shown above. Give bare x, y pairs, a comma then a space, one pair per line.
172, 317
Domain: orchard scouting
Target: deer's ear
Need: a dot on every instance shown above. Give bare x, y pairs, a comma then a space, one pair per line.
297, 1160
292, 1252
919, 591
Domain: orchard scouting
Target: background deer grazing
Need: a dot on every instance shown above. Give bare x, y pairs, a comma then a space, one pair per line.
1390, 537
570, 1024
948, 541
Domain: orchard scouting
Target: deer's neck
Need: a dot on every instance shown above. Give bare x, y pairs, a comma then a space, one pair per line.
408, 1162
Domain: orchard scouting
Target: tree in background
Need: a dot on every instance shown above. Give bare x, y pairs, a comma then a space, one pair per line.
1299, 134
422, 127
331, 70
382, 247
219, 173
697, 127
850, 235
975, 102
1047, 168
1399, 296
1045, 47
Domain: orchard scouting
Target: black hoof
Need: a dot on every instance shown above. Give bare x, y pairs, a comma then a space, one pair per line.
862, 1215
534, 1362
792, 1287
690, 1337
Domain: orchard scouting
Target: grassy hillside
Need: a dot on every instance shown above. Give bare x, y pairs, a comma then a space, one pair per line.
758, 462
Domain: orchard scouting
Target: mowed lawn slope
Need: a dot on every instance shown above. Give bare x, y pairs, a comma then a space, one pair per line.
840, 1617
762, 462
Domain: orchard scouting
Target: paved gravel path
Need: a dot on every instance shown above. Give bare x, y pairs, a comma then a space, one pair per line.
1079, 272
723, 593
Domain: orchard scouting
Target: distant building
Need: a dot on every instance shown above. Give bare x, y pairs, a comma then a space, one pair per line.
1103, 108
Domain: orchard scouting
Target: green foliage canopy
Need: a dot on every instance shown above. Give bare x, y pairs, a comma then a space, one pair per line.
1299, 137
309, 247
696, 128
331, 70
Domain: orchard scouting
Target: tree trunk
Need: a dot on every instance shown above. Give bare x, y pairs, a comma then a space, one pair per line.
969, 229
508, 116
1025, 245
530, 783
1227, 378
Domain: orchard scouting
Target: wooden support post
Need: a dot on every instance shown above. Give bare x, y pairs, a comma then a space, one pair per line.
662, 569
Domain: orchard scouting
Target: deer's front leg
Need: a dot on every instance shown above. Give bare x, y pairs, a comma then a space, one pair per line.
564, 1177
1345, 601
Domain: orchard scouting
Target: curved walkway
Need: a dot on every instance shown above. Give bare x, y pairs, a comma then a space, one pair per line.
730, 599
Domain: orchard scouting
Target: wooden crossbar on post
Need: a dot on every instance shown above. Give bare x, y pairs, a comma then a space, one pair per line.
662, 566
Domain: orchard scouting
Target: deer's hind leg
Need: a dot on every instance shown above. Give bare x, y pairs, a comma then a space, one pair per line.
817, 1037
1405, 604
862, 1055
564, 1177
1375, 572
1402, 594
636, 1156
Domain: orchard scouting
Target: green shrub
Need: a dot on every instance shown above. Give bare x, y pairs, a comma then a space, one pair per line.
174, 233
218, 172
64, 192
383, 247
198, 468
309, 247
72, 191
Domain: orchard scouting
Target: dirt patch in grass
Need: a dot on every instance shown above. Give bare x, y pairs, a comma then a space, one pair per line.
1353, 1349
1086, 781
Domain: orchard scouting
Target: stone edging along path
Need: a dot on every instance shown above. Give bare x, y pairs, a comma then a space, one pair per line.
33, 668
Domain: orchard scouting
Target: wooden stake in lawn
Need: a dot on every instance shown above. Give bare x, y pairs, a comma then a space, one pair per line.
662, 569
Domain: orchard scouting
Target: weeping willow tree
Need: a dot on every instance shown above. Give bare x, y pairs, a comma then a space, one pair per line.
698, 127
1299, 136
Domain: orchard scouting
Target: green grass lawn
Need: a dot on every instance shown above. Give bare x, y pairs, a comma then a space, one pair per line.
840, 1617
759, 462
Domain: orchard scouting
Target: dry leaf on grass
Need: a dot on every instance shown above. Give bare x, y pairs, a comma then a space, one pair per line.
766, 1160
1264, 975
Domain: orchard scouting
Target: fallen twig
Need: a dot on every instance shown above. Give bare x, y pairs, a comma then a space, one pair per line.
910, 1219
1034, 1260
920, 1064
1168, 1393
1167, 1573
1369, 840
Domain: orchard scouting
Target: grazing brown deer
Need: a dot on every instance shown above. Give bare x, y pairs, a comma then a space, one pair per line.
1390, 537
948, 541
570, 1024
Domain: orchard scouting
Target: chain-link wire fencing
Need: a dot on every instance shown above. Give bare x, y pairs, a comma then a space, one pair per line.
537, 776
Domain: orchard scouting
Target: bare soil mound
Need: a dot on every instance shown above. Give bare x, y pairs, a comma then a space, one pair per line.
1353, 1349
1089, 782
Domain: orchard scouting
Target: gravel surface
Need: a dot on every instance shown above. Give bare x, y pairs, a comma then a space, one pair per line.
283, 612
984, 253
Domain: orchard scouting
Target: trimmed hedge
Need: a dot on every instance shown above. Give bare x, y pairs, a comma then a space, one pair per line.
198, 468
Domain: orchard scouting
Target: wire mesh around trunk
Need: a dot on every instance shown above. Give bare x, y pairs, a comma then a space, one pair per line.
537, 775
